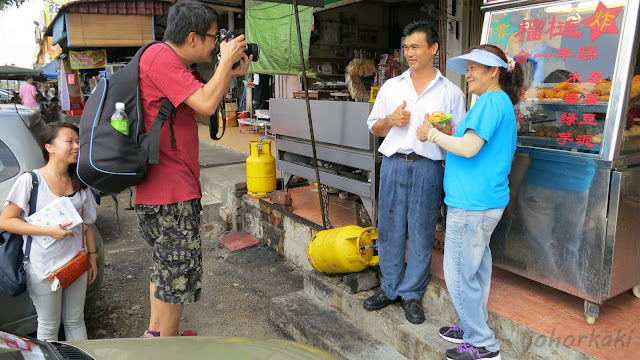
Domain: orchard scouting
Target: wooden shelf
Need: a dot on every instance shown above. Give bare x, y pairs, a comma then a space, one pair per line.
329, 58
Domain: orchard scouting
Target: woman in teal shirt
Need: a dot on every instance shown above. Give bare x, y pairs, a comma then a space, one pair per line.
476, 187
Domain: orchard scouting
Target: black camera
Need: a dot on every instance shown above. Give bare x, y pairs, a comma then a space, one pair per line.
252, 49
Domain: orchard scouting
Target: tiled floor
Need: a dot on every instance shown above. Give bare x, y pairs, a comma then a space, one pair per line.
234, 139
615, 335
306, 204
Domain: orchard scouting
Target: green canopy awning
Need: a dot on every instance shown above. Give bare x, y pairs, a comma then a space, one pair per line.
273, 27
8, 72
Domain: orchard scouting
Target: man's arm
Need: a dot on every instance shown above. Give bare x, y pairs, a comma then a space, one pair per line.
381, 127
206, 99
203, 119
400, 117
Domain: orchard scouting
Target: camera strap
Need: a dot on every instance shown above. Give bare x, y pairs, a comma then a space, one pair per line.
214, 122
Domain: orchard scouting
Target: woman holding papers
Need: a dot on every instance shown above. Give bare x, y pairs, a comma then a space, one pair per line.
55, 245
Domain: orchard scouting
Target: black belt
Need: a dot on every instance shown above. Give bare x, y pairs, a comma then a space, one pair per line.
409, 157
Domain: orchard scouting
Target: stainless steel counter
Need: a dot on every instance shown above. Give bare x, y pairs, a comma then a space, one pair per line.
346, 150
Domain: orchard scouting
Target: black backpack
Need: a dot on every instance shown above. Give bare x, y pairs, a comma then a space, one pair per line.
110, 161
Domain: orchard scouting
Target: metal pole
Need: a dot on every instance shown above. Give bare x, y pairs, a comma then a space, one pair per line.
306, 97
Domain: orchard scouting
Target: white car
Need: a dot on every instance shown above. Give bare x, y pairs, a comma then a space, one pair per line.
6, 95
19, 153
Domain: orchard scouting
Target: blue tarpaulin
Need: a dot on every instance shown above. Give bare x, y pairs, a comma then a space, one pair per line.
49, 71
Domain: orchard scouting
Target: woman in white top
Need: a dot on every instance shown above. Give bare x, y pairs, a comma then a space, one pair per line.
59, 144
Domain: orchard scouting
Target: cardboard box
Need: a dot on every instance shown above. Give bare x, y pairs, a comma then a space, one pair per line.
231, 119
231, 107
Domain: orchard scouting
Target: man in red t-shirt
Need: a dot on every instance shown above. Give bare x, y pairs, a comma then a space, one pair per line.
168, 201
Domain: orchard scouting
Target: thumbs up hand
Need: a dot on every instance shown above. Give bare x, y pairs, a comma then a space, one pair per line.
423, 130
400, 117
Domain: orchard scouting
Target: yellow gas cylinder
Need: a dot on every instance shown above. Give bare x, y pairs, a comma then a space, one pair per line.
345, 249
261, 169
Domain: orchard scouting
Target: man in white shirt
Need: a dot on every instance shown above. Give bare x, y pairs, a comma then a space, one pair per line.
411, 174
260, 84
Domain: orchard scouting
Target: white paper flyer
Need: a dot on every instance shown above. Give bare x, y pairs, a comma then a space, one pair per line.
60, 211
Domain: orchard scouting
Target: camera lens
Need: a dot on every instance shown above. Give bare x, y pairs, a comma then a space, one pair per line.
253, 49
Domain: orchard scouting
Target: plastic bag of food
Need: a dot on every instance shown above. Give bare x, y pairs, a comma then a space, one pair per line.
356, 87
367, 67
354, 66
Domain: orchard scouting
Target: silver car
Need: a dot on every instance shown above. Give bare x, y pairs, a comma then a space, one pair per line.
20, 152
179, 347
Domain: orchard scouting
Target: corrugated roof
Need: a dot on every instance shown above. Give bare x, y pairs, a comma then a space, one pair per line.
135, 7
131, 7
116, 7
119, 7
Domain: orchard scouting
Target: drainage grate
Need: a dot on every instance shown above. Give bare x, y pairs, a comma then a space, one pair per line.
69, 352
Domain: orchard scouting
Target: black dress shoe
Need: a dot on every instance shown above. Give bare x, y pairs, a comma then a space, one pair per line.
377, 301
413, 311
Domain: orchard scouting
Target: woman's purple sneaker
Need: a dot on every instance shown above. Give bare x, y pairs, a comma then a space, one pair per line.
150, 333
467, 351
452, 334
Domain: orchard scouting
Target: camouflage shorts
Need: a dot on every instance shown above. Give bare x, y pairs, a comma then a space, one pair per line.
173, 232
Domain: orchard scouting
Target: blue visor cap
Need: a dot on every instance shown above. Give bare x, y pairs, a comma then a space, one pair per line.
459, 63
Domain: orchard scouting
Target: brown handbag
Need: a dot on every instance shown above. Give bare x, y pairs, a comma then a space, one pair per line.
72, 270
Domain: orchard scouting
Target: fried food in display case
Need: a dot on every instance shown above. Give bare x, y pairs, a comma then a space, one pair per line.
635, 87
560, 91
603, 89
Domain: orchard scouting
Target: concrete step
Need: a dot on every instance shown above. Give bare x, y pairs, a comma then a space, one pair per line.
422, 341
212, 214
418, 342
210, 208
310, 321
226, 183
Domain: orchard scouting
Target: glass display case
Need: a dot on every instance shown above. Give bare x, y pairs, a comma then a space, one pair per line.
567, 50
575, 180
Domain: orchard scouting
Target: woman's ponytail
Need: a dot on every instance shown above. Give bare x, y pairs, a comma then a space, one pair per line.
512, 78
512, 81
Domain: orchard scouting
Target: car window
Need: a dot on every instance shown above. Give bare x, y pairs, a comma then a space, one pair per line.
9, 166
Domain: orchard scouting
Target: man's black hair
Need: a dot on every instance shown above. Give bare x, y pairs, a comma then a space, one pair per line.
423, 26
186, 17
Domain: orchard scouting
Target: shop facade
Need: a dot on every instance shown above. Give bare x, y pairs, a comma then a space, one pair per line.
575, 181
98, 37
354, 47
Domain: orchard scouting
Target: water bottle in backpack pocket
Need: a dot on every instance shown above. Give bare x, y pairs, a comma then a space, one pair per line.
120, 120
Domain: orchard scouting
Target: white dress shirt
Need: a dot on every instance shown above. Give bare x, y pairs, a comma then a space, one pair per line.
440, 95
